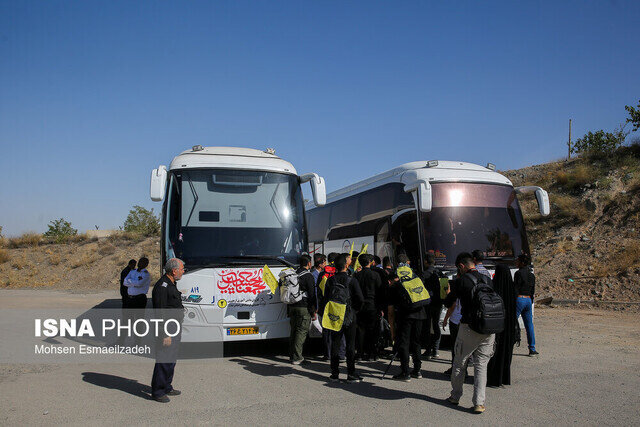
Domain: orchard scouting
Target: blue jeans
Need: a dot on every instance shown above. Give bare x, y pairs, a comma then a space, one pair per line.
523, 307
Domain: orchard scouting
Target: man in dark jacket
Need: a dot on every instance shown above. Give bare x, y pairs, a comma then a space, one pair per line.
167, 303
302, 312
123, 274
348, 330
469, 342
431, 340
368, 317
408, 326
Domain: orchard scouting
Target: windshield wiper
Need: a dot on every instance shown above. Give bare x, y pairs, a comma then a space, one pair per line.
267, 257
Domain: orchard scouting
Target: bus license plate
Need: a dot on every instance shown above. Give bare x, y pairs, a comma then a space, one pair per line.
243, 331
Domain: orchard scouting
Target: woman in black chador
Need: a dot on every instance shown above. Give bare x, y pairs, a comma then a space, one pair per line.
499, 369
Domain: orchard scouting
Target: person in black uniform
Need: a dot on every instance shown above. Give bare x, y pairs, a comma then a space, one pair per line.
302, 312
167, 301
348, 330
369, 316
431, 340
123, 274
408, 327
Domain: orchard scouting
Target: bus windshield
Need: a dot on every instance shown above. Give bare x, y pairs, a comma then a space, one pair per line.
467, 216
218, 216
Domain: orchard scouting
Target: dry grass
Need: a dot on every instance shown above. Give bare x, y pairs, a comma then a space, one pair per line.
19, 262
570, 208
624, 259
106, 248
84, 258
4, 256
26, 240
55, 259
561, 178
581, 176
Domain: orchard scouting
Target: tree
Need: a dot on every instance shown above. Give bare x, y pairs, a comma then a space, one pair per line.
599, 142
143, 221
634, 116
60, 230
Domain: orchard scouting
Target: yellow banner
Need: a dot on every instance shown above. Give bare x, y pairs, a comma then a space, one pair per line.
269, 279
333, 316
363, 250
323, 282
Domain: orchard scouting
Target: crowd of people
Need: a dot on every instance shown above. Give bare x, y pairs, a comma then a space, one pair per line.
366, 305
380, 311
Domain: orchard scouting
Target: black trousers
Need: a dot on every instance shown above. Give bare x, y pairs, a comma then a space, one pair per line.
349, 334
137, 301
408, 333
166, 357
368, 332
431, 340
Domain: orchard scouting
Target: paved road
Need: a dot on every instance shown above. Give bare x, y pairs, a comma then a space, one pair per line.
589, 372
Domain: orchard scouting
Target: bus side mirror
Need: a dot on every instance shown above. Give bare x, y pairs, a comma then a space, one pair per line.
318, 187
421, 190
541, 196
158, 182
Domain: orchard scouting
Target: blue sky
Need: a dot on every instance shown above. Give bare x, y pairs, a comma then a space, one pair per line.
93, 95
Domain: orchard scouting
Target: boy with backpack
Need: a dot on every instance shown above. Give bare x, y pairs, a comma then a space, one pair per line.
341, 300
407, 299
482, 317
298, 291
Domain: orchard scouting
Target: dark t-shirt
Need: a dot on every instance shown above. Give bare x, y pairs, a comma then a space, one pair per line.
371, 288
525, 282
462, 288
355, 294
432, 283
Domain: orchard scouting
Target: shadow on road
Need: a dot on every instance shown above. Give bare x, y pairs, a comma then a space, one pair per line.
320, 373
126, 385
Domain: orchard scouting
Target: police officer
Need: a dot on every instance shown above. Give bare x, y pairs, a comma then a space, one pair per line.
167, 302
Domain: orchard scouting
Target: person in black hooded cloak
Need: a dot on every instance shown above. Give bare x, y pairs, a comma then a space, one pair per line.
499, 368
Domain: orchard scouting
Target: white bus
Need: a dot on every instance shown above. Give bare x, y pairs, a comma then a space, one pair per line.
226, 213
443, 207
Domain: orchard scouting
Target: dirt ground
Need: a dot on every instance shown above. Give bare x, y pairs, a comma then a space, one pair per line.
588, 372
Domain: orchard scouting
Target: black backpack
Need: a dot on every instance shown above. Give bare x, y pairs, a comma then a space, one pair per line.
340, 293
487, 310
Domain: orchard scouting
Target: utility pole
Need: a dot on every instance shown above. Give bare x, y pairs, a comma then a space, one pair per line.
569, 143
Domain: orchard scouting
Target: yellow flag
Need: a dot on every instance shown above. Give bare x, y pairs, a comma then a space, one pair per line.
363, 250
351, 250
322, 283
269, 279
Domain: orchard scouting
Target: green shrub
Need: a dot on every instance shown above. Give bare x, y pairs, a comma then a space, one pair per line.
60, 230
142, 221
599, 143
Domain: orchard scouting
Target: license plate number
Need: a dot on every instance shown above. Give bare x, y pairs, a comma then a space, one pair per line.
243, 331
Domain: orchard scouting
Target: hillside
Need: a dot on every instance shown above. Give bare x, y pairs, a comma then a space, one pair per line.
588, 248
